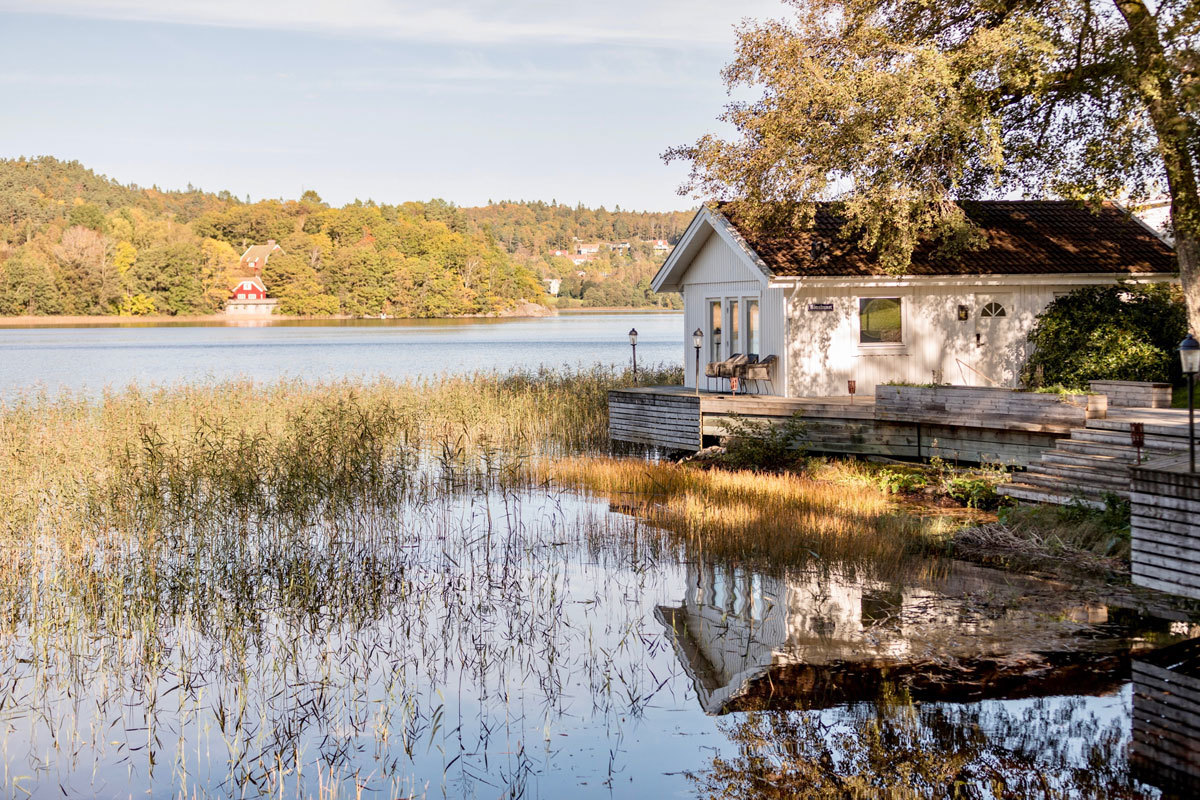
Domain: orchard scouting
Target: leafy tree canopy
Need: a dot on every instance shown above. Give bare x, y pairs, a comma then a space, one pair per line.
900, 108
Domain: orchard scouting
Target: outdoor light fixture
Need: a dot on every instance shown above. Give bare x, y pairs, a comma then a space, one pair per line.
698, 342
633, 344
963, 313
1189, 359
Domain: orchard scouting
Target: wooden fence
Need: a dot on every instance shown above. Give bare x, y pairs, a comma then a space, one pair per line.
1165, 551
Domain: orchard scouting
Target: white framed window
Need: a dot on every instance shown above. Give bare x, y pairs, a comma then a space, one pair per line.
715, 331
880, 321
753, 332
993, 310
734, 315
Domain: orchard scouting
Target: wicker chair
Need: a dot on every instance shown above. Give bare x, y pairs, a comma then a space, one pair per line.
730, 367
759, 371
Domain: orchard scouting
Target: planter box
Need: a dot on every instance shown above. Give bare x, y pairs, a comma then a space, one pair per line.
1134, 394
985, 407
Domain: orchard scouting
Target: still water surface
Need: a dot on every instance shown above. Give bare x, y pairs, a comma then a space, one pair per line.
93, 357
540, 644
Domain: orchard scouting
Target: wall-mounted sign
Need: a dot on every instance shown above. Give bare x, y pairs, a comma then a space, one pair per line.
820, 306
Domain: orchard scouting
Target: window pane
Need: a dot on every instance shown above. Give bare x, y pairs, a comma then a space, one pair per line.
879, 320
752, 326
714, 330
735, 341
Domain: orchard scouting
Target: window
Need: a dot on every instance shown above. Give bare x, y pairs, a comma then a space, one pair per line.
735, 339
753, 341
879, 320
714, 330
992, 311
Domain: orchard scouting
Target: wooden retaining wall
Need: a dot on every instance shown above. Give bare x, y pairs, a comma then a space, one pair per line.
1165, 551
978, 406
668, 420
1166, 717
1133, 394
911, 440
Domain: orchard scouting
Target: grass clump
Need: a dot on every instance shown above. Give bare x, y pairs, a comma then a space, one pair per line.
1071, 538
777, 519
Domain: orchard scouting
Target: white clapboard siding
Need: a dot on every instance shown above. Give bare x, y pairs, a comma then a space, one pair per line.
718, 272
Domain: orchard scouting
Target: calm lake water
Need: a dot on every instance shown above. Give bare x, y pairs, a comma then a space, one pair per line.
534, 644
451, 635
93, 357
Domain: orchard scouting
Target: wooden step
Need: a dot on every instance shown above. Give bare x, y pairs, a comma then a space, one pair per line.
1115, 464
1040, 494
1082, 447
1066, 485
1087, 476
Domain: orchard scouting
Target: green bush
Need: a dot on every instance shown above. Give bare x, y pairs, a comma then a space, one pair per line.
760, 445
974, 493
1123, 332
896, 482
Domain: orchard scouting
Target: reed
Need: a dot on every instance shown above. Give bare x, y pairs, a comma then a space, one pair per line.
776, 519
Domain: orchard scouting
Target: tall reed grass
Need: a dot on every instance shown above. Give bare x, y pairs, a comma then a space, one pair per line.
776, 520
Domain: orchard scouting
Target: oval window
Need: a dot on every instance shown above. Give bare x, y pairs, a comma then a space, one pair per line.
993, 310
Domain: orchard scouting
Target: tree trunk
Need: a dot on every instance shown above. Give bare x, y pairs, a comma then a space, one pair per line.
1155, 79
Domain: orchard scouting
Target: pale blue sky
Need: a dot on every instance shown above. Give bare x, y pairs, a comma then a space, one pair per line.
388, 99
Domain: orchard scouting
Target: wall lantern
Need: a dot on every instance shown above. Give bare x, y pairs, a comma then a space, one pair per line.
698, 342
1189, 359
964, 313
633, 345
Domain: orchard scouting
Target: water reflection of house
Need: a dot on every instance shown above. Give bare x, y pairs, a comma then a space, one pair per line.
1166, 718
833, 633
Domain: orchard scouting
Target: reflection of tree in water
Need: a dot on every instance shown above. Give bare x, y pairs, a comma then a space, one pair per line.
897, 749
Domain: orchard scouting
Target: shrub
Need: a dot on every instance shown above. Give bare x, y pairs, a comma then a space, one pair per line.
896, 482
974, 493
1122, 332
760, 445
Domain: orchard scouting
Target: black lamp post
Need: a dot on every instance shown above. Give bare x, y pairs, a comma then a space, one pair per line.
633, 344
698, 342
1189, 358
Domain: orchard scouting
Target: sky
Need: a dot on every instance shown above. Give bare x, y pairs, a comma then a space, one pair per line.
391, 100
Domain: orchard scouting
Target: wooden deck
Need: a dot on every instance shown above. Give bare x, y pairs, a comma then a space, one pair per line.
675, 418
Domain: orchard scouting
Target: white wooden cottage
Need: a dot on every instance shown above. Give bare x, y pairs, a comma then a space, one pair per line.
831, 315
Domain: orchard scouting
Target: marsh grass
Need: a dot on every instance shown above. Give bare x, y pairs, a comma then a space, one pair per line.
334, 589
777, 519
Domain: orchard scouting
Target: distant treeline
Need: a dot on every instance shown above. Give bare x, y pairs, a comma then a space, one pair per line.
532, 231
74, 242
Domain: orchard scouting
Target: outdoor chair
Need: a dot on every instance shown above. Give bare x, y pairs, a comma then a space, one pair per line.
759, 371
711, 370
729, 368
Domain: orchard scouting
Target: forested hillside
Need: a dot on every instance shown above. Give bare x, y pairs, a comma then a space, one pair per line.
615, 276
73, 242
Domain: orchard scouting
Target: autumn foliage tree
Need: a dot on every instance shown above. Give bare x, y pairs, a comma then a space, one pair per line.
900, 108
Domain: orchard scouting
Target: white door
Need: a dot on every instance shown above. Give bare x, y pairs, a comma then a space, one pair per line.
995, 340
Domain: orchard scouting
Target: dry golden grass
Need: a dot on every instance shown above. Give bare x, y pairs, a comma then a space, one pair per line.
779, 519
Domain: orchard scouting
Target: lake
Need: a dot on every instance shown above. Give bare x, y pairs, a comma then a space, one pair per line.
92, 357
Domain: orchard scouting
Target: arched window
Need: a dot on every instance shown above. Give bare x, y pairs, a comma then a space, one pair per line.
993, 310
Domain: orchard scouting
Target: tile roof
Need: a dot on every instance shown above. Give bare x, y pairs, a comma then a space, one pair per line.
259, 253
1023, 237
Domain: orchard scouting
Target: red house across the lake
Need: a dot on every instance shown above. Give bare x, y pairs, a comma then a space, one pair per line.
249, 297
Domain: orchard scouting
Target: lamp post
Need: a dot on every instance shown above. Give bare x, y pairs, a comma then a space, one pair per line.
1189, 359
633, 344
698, 342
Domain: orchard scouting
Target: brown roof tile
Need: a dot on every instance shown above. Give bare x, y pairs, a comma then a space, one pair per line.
1023, 236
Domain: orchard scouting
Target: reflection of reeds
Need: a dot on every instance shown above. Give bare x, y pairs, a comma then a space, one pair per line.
778, 518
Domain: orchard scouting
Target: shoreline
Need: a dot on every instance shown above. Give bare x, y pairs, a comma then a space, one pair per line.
111, 320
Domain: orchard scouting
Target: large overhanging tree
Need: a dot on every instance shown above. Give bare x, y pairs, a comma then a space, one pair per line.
900, 108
